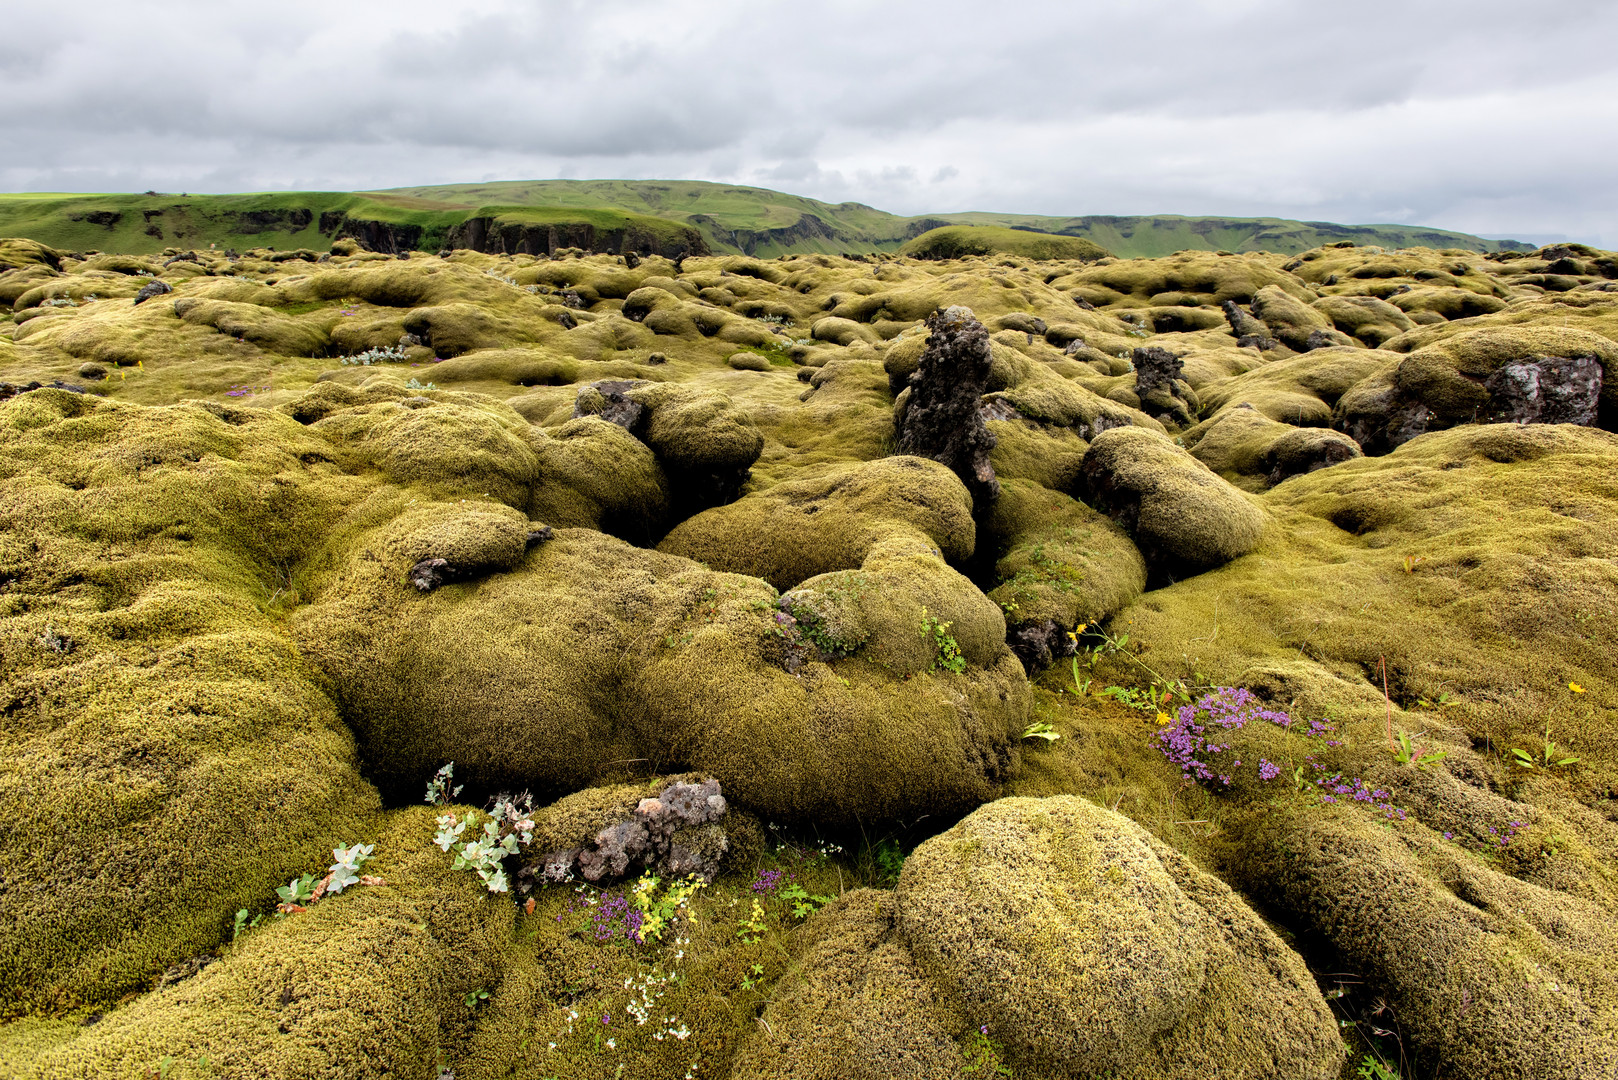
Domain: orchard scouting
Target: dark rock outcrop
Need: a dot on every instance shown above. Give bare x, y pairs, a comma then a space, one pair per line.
607, 399
938, 416
152, 288
675, 831
1550, 390
383, 236
1163, 392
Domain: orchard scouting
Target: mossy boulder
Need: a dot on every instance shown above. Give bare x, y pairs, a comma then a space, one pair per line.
592, 652
164, 709
1183, 518
594, 474
802, 528
1293, 322
1538, 374
1254, 452
1482, 969
858, 1006
1059, 564
1091, 948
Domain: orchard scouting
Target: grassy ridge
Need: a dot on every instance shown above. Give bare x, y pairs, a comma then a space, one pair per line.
732, 218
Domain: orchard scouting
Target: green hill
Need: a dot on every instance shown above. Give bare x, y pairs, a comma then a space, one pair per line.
666, 215
955, 241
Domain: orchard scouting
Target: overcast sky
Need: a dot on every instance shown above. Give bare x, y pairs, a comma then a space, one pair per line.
1499, 118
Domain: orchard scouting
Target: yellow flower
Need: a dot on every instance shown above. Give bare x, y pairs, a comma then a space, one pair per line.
1163, 718
1575, 687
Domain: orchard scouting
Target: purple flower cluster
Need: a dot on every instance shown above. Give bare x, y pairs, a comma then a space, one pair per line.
1186, 740
1338, 788
1268, 770
1497, 837
768, 881
615, 918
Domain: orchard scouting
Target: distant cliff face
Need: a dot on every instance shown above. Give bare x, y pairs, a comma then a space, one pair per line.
499, 237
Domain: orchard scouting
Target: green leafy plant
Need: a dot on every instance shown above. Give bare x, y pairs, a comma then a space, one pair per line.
982, 1055
442, 789
1080, 686
804, 904
754, 976
1375, 1068
509, 829
477, 997
1407, 753
345, 869
1548, 757
299, 891
889, 859
243, 923
1039, 729
415, 385
946, 650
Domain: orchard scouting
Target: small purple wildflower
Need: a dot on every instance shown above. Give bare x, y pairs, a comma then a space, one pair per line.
1186, 742
768, 881
1268, 770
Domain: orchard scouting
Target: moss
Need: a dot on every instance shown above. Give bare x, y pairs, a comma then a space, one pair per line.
1181, 516
1449, 303
366, 983
960, 241
1482, 969
1472, 560
1091, 947
1370, 320
1254, 452
649, 657
1208, 278
594, 474
855, 1006
1058, 559
799, 529
165, 709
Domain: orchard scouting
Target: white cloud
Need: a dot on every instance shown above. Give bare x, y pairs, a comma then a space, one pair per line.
1493, 121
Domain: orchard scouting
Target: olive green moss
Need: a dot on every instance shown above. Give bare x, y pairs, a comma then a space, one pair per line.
1254, 452
594, 474
647, 656
366, 983
856, 1005
799, 529
1486, 970
156, 709
1299, 390
1179, 513
209, 617
1058, 559
961, 241
1090, 947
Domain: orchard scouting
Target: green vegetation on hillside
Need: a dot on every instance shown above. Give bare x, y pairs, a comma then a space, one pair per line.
731, 219
960, 241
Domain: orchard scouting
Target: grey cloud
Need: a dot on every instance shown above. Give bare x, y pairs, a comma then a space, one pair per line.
1479, 117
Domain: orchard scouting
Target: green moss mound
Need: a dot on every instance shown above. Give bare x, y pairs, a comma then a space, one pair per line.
1093, 948
797, 530
964, 241
1181, 516
164, 711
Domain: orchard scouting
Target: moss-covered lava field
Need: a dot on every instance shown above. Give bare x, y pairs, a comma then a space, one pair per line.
659, 664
